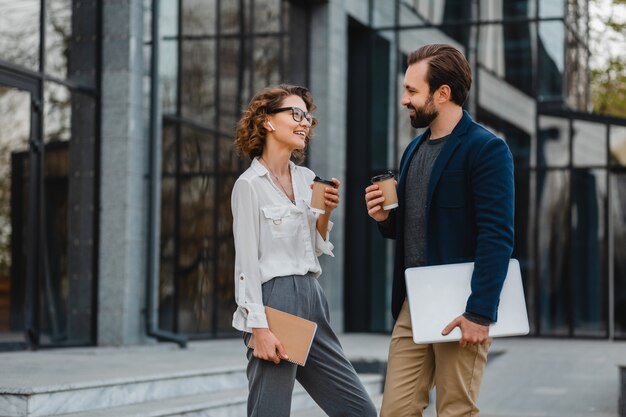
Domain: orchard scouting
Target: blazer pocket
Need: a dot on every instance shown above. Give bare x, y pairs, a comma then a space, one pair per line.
280, 220
451, 189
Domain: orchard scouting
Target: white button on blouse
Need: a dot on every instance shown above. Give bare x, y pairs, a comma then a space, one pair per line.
273, 237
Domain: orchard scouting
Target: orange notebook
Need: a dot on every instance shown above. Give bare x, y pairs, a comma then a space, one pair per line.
295, 333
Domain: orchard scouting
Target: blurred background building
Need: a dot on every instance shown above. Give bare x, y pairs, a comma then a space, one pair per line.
116, 123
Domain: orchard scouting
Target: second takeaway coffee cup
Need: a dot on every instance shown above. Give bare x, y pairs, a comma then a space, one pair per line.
387, 185
318, 201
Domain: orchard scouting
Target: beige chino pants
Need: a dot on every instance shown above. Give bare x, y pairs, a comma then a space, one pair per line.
413, 370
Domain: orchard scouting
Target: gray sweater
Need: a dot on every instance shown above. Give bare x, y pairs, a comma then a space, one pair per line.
418, 176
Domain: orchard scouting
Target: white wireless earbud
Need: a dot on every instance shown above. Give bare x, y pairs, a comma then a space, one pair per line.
272, 126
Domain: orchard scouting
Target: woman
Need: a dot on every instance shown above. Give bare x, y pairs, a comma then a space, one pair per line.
277, 242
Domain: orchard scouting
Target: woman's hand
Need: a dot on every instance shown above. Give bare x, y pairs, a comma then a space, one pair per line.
267, 346
332, 195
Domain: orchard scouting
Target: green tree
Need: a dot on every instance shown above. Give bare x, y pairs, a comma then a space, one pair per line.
608, 75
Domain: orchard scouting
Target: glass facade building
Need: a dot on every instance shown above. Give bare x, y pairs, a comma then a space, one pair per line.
192, 66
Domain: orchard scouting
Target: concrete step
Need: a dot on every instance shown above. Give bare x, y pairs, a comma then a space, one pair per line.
54, 400
225, 403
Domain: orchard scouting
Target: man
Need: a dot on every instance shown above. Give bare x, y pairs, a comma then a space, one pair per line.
456, 196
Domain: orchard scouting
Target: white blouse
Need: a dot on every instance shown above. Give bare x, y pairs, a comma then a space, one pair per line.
273, 237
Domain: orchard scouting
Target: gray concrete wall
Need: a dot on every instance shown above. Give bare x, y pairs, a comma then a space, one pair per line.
121, 290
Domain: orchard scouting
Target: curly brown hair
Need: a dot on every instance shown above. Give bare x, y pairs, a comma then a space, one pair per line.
250, 134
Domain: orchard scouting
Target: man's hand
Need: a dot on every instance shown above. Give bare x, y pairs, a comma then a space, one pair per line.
472, 333
267, 346
374, 203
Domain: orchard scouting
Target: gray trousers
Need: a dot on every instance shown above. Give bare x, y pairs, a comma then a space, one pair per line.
328, 376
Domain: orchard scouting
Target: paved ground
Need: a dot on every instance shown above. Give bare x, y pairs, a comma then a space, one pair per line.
527, 377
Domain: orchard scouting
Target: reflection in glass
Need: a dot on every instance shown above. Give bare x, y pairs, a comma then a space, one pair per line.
58, 113
551, 59
267, 16
618, 145
576, 74
491, 48
230, 16
456, 11
553, 236
167, 292
589, 252
197, 152
198, 81
553, 142
589, 143
198, 16
19, 34
168, 154
195, 275
69, 161
506, 51
552, 8
70, 43
226, 257
230, 88
58, 36
267, 62
168, 59
14, 185
618, 228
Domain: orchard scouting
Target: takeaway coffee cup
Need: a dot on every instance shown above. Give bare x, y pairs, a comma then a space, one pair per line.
318, 201
387, 185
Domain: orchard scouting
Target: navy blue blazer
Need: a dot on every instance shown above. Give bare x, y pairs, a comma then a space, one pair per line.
470, 205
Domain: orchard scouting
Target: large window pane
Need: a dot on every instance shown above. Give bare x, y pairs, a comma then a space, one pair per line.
553, 258
551, 59
197, 152
198, 81
267, 62
552, 8
507, 52
231, 16
230, 84
589, 144
168, 62
15, 108
618, 145
226, 257
267, 16
618, 228
199, 18
167, 281
195, 275
553, 142
589, 274
19, 32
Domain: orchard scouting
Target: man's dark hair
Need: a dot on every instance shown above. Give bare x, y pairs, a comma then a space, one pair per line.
446, 65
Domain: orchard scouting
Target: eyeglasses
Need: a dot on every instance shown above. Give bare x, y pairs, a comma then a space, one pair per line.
297, 113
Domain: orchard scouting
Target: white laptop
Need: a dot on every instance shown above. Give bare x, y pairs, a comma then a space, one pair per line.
438, 294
